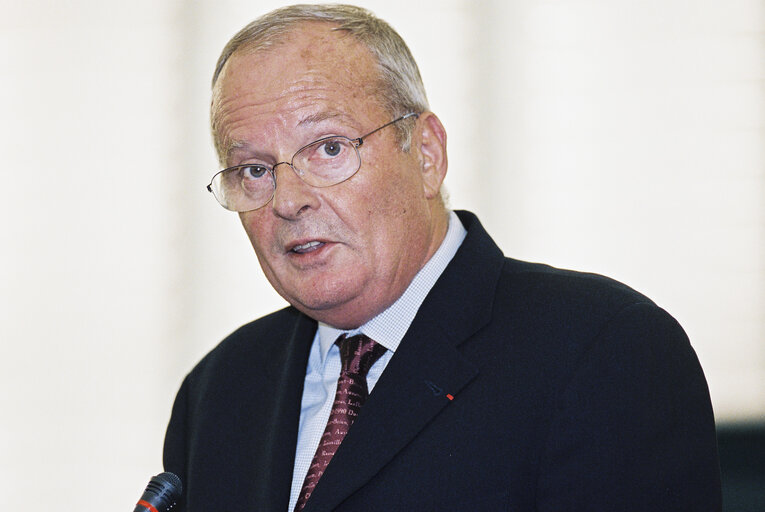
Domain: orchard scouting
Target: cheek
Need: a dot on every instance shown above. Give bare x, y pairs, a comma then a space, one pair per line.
393, 218
262, 242
395, 186
257, 231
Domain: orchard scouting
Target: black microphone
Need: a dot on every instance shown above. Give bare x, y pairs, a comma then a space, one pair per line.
163, 491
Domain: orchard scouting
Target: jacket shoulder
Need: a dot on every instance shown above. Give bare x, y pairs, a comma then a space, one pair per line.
255, 341
550, 286
569, 310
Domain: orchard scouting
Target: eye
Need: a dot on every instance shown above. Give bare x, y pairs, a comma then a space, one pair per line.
332, 147
250, 172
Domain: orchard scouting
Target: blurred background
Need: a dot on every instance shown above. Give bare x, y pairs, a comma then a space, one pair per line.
624, 137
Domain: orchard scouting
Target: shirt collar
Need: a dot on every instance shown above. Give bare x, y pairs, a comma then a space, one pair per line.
388, 328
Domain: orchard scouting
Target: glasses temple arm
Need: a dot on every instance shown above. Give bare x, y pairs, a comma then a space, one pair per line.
405, 116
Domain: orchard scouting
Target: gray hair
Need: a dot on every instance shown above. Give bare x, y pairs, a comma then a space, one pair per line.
402, 89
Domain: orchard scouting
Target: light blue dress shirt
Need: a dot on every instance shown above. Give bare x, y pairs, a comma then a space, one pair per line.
387, 329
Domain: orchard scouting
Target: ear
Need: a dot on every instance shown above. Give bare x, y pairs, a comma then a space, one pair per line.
431, 139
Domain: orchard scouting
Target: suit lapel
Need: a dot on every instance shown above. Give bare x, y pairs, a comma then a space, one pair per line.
426, 369
273, 457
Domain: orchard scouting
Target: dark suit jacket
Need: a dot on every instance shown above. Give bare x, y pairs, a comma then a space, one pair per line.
570, 392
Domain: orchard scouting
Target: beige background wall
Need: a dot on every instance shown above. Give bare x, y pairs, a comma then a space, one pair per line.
623, 137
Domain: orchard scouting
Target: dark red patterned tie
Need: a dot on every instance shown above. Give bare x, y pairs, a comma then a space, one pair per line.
357, 355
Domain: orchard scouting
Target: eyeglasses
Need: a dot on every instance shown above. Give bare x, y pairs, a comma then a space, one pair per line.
322, 163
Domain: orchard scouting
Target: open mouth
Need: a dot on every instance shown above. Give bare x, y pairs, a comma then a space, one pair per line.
314, 245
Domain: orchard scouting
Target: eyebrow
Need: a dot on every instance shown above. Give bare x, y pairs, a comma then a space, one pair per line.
231, 147
319, 117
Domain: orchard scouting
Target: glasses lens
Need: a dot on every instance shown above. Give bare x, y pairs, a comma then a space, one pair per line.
327, 161
243, 188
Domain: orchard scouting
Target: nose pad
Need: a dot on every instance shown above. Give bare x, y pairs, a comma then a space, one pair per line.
277, 164
291, 194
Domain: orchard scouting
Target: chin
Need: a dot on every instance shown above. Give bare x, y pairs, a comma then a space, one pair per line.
321, 294
336, 307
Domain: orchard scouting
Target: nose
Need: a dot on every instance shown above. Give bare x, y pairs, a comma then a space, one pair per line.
292, 196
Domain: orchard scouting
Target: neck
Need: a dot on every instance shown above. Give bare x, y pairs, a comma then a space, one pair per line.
362, 309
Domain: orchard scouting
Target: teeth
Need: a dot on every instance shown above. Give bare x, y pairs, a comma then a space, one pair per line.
306, 247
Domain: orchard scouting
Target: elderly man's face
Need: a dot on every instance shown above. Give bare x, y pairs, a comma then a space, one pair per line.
340, 254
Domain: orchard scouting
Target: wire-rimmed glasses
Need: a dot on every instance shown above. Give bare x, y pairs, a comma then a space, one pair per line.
322, 163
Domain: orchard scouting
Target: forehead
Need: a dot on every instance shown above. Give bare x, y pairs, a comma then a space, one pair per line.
311, 43
312, 63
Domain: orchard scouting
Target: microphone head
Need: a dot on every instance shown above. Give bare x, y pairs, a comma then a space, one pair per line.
162, 493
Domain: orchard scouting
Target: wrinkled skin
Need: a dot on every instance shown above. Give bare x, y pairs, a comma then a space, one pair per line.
376, 230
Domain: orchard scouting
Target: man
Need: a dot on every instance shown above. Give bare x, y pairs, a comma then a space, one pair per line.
481, 383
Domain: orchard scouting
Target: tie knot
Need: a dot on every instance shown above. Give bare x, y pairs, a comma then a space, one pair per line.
358, 353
